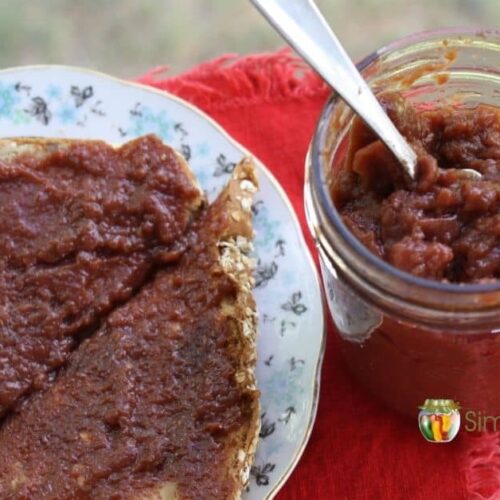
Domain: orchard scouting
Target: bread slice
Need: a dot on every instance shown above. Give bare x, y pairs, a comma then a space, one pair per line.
161, 402
82, 226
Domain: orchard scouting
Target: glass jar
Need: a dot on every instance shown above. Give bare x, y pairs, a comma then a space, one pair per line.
409, 339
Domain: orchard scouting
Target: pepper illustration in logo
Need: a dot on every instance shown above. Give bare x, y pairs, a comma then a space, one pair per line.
439, 420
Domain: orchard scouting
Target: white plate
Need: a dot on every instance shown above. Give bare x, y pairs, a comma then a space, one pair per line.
53, 101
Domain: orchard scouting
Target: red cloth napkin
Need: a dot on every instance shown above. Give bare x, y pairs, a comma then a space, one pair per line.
358, 449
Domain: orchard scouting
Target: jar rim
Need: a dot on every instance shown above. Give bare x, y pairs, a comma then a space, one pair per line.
426, 35
321, 187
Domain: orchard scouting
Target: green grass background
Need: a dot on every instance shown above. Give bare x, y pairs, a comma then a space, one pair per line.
127, 37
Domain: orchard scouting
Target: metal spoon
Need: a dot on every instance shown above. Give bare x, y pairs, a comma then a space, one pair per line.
303, 26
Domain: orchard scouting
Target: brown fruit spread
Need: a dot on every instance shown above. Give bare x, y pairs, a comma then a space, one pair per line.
444, 226
149, 402
82, 226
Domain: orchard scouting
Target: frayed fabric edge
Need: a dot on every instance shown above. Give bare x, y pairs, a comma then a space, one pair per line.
482, 467
232, 81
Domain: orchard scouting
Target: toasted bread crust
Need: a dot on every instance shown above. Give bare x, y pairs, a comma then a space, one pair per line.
235, 246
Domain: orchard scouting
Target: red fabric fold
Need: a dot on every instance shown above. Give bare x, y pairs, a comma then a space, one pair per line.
359, 449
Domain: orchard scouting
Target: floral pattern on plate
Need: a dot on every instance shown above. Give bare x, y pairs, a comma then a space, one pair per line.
52, 101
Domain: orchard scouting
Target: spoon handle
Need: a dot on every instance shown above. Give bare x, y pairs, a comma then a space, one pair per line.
302, 25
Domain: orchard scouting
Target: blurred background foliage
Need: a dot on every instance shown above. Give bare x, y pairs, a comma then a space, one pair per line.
127, 37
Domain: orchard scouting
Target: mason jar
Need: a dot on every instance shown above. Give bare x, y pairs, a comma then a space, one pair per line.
409, 339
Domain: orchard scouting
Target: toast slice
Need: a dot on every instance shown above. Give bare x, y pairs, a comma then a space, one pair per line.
161, 402
82, 226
